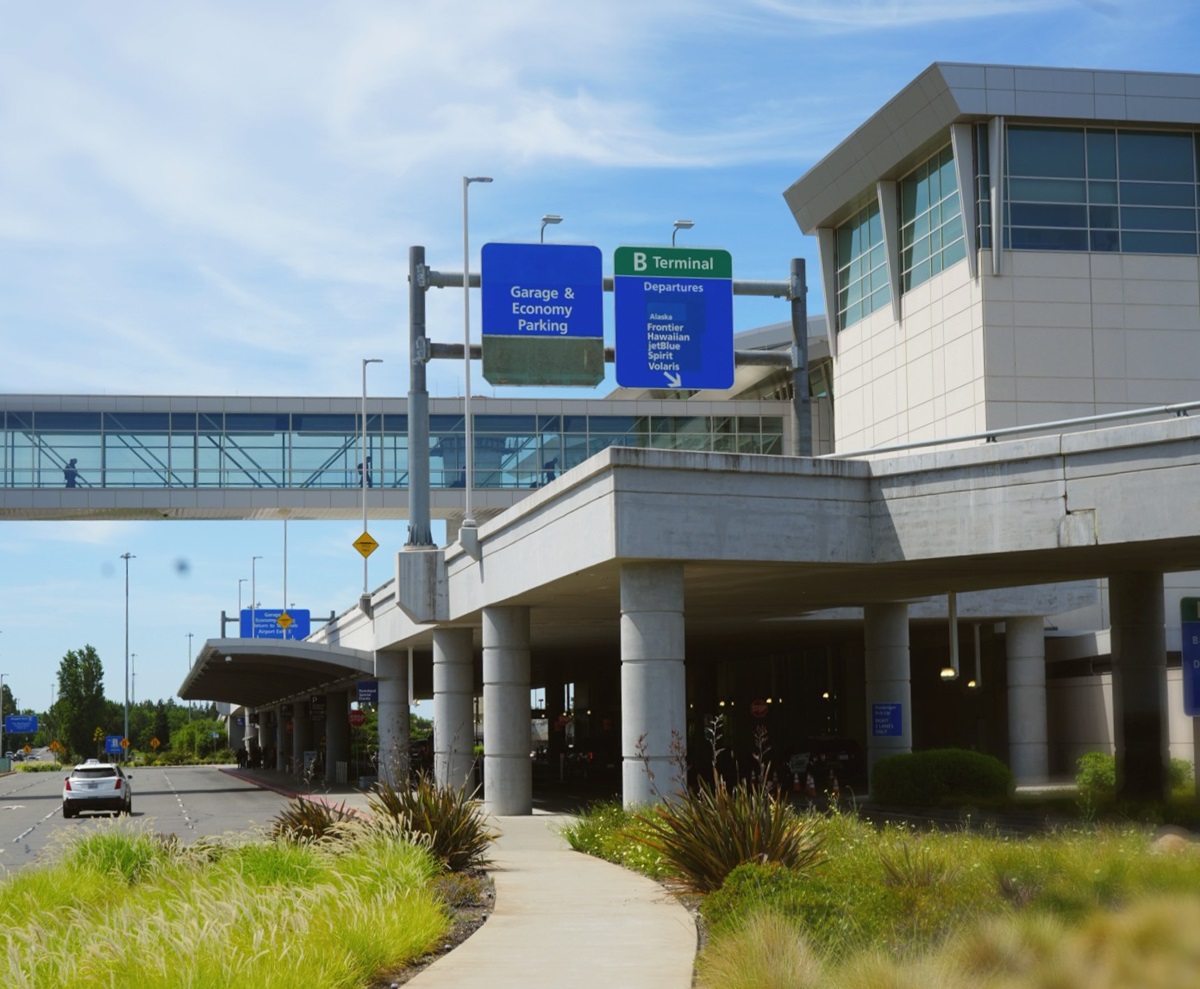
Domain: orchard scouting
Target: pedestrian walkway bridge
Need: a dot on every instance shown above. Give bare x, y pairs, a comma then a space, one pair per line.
132, 456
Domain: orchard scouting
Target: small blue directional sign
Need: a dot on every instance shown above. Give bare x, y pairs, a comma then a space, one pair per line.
112, 744
542, 290
368, 691
263, 623
1189, 613
887, 720
674, 317
20, 724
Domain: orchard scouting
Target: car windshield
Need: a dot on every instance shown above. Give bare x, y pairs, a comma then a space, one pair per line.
95, 773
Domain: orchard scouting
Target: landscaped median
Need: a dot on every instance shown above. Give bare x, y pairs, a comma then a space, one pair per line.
792, 898
320, 899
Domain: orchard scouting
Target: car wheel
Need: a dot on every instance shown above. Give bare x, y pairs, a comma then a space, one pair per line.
129, 808
67, 811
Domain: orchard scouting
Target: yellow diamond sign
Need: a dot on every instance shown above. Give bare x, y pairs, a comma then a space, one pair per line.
285, 620
365, 544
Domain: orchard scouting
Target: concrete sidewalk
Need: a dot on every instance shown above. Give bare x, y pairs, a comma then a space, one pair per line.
569, 918
558, 915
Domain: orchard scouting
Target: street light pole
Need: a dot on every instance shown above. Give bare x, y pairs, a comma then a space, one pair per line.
241, 581
362, 466
189, 666
254, 597
681, 225
468, 435
127, 556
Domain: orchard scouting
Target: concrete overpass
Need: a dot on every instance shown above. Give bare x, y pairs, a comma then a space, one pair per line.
637, 559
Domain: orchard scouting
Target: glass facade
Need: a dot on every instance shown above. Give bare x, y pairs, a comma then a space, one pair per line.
295, 450
1100, 189
861, 267
931, 229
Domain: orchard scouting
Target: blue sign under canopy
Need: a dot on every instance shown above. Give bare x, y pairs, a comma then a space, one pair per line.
1189, 609
263, 623
887, 720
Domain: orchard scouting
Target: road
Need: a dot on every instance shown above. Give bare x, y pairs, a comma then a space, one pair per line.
191, 802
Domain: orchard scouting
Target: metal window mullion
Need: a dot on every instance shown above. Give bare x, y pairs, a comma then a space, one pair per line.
964, 174
889, 210
997, 159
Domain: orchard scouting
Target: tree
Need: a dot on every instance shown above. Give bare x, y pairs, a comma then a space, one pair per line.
6, 702
80, 708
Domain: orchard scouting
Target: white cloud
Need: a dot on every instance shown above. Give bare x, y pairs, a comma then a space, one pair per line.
874, 15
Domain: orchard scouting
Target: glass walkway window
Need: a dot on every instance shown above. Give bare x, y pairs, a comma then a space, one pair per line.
862, 267
1098, 189
213, 449
931, 229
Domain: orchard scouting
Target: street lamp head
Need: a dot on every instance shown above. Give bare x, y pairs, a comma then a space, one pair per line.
681, 225
372, 360
476, 178
550, 219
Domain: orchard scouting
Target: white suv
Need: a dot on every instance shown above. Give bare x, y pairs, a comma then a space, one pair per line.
95, 785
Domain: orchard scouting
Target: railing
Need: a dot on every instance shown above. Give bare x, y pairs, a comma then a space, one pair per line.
994, 435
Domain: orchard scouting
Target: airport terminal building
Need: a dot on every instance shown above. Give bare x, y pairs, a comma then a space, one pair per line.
1004, 251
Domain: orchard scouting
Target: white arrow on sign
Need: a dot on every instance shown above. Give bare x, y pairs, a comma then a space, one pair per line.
673, 379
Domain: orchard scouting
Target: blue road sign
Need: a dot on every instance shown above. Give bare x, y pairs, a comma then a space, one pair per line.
674, 317
112, 744
20, 724
542, 290
1189, 613
368, 691
887, 720
263, 623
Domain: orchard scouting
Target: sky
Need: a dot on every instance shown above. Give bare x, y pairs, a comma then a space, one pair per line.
218, 198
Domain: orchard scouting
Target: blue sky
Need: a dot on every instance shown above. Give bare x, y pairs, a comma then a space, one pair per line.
217, 198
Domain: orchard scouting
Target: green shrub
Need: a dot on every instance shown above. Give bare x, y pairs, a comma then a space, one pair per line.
940, 776
750, 887
1097, 773
38, 767
309, 820
446, 819
706, 833
606, 830
764, 951
114, 852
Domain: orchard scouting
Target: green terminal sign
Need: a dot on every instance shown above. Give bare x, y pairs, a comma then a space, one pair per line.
674, 262
673, 310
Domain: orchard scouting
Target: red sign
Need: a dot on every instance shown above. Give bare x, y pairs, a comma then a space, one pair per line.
358, 718
759, 708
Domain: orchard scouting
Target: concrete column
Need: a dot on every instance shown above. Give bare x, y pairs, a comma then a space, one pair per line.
264, 736
337, 733
1028, 748
453, 691
653, 681
281, 740
507, 770
889, 682
250, 731
1139, 654
301, 736
391, 671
